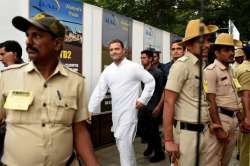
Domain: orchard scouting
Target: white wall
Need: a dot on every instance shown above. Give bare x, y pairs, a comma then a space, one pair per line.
137, 41
166, 47
92, 45
10, 9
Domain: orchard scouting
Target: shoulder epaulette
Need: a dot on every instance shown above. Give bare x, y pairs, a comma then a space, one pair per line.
183, 58
14, 66
210, 67
73, 71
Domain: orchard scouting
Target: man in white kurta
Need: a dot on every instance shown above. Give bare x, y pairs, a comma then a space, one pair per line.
123, 78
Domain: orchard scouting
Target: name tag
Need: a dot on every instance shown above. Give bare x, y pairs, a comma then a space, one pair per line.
18, 100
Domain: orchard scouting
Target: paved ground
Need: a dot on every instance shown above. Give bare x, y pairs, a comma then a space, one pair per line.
109, 156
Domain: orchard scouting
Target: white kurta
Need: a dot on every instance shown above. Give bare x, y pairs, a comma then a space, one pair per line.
124, 81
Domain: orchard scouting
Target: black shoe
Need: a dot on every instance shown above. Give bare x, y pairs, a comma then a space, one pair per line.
157, 158
238, 156
148, 151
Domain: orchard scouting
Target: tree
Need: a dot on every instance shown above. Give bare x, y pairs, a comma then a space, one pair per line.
172, 15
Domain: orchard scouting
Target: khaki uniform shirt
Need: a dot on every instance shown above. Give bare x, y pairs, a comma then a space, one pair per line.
184, 79
220, 82
43, 134
243, 75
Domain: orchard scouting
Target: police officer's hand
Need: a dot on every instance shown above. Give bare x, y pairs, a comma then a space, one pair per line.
221, 135
173, 150
138, 105
156, 112
245, 126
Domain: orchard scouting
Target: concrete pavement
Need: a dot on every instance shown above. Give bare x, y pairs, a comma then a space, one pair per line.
108, 156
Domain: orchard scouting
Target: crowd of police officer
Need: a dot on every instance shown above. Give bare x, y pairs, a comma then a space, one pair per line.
224, 100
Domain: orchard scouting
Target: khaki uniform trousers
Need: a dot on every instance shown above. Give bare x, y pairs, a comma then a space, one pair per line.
220, 153
244, 142
187, 141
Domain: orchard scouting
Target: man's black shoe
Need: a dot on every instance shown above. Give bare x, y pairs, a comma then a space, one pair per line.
238, 156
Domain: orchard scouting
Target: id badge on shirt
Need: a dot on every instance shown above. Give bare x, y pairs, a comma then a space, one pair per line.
18, 100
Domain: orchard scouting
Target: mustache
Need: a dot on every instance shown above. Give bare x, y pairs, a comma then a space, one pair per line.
31, 48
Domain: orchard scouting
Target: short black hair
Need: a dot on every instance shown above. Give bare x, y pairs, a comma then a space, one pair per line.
149, 53
246, 50
13, 46
153, 50
116, 41
178, 41
157, 53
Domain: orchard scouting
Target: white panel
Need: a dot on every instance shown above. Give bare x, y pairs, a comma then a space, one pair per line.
152, 37
233, 30
137, 40
87, 41
166, 47
10, 9
92, 45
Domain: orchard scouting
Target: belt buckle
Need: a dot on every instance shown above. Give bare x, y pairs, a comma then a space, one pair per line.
220, 110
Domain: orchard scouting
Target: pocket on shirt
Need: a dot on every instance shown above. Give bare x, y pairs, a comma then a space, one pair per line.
194, 87
224, 87
66, 109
